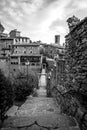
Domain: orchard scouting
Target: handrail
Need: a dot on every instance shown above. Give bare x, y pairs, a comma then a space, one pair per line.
58, 91
67, 92
78, 112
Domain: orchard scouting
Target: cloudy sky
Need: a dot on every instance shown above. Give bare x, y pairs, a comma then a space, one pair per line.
40, 19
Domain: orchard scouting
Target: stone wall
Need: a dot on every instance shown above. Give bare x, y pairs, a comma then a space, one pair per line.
76, 65
69, 105
60, 71
76, 55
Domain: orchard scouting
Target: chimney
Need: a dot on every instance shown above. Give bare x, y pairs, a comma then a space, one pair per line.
57, 39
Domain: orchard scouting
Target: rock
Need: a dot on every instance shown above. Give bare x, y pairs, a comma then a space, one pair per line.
12, 111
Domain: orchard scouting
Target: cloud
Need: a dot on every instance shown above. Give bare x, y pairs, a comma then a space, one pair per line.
80, 4
40, 19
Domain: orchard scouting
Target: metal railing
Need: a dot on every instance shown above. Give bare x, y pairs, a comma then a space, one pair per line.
72, 108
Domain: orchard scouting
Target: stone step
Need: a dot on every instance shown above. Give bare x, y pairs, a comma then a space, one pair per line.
40, 113
41, 92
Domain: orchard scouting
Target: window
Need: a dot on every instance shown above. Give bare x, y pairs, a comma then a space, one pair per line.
33, 64
24, 52
15, 40
9, 46
14, 69
30, 51
15, 57
14, 63
11, 62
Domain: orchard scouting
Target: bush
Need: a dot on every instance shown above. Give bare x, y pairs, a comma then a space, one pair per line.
6, 94
24, 86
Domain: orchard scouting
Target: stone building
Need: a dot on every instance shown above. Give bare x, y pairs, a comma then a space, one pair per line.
2, 34
5, 50
54, 50
19, 51
26, 49
14, 33
6, 46
16, 51
23, 54
56, 62
5, 43
18, 39
57, 40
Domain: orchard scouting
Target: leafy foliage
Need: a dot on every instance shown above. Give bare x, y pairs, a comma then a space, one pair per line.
24, 85
6, 94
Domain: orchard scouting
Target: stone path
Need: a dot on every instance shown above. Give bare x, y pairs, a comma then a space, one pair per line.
42, 80
39, 113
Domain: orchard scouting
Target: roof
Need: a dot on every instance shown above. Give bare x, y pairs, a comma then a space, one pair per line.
25, 55
6, 38
27, 44
52, 45
14, 30
22, 37
3, 34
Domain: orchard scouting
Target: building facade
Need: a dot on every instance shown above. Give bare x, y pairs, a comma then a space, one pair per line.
18, 52
23, 54
14, 33
6, 46
53, 50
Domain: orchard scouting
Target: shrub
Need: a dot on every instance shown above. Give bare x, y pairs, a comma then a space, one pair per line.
6, 94
24, 86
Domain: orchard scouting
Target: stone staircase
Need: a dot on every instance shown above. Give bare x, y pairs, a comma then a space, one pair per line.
39, 113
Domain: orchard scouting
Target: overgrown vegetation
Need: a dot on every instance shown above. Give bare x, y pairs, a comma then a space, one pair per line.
24, 85
6, 95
